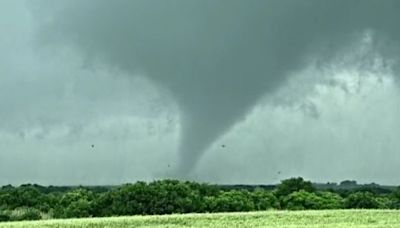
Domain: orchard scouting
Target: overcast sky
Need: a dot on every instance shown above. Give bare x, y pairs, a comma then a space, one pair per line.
109, 92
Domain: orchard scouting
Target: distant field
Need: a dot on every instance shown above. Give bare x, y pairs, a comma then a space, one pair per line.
333, 218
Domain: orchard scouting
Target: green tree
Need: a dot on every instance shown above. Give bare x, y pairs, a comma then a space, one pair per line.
23, 196
80, 208
291, 185
102, 205
264, 200
302, 200
132, 199
364, 200
4, 216
75, 204
6, 200
395, 199
173, 196
384, 202
230, 201
330, 200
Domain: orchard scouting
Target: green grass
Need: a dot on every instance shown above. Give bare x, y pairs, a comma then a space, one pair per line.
279, 219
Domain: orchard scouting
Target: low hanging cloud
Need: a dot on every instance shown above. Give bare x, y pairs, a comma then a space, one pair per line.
101, 92
217, 58
350, 132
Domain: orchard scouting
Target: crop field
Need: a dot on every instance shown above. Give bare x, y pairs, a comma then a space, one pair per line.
322, 218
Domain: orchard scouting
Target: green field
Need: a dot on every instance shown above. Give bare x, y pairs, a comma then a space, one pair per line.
333, 218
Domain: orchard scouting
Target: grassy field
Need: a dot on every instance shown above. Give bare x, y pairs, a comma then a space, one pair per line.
279, 219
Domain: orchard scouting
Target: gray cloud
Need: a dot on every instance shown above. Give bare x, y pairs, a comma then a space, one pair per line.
53, 108
216, 57
353, 137
285, 85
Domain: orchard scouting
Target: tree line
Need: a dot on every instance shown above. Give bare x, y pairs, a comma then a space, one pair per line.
34, 202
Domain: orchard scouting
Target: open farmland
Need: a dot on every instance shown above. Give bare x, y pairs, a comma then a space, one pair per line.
327, 218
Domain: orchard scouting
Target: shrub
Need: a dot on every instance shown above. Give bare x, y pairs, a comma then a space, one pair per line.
78, 209
230, 201
264, 200
293, 185
330, 200
395, 199
171, 196
302, 200
364, 200
74, 204
384, 202
5, 216
26, 213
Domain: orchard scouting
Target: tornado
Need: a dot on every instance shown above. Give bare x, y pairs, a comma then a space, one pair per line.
217, 58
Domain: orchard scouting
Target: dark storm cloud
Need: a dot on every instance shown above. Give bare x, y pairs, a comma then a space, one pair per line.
52, 109
216, 57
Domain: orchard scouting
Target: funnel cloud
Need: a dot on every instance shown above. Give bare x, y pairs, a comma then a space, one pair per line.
101, 92
218, 58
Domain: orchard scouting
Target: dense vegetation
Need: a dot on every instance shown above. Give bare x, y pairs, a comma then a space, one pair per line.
33, 202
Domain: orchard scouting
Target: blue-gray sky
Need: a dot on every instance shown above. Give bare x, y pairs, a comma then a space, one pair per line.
101, 92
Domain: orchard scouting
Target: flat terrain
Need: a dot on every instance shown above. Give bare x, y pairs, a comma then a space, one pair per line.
332, 218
